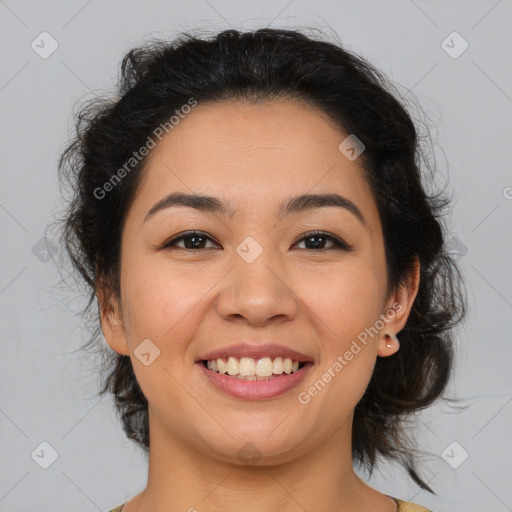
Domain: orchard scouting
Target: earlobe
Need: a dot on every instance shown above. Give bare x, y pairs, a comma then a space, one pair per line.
401, 305
392, 345
112, 323
393, 341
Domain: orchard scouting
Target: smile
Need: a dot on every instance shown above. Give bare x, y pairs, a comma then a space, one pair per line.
240, 378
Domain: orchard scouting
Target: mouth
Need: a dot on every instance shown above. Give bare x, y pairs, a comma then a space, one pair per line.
269, 380
253, 369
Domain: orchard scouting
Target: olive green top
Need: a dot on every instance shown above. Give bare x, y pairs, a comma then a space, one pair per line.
403, 506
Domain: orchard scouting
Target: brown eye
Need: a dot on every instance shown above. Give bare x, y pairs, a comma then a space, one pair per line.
193, 240
317, 239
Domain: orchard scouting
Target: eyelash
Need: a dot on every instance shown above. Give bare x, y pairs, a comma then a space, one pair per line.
338, 243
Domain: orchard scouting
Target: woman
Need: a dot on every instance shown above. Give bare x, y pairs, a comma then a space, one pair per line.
270, 272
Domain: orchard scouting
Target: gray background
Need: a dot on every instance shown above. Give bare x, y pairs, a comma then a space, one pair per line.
48, 390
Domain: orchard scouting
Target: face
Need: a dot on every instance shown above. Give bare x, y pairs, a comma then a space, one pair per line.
253, 276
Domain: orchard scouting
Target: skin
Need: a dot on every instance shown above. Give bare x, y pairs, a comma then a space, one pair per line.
316, 301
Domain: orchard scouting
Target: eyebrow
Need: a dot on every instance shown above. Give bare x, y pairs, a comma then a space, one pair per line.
295, 204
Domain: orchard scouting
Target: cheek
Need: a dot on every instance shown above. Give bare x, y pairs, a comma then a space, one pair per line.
161, 305
159, 302
348, 299
345, 304
348, 304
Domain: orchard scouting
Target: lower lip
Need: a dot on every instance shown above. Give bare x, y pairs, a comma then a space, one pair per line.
255, 389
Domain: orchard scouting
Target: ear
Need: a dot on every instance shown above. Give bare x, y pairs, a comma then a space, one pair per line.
112, 323
398, 308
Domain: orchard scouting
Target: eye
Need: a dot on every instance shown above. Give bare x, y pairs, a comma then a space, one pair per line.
196, 240
192, 240
317, 239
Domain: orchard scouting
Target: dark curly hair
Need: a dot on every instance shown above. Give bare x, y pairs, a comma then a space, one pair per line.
157, 78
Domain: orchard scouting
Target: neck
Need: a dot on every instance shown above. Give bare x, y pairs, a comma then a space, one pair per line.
183, 478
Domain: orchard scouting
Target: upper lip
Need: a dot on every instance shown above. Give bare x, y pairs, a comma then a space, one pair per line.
255, 351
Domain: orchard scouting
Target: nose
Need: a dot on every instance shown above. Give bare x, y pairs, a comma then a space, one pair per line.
257, 293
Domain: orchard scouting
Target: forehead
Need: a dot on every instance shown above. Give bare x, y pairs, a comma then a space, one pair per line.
253, 154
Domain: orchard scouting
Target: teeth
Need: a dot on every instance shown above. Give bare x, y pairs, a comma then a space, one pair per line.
221, 366
247, 368
233, 366
278, 365
265, 367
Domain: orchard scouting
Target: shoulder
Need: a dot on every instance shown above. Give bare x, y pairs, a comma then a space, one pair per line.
117, 509
403, 506
407, 506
